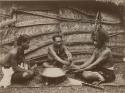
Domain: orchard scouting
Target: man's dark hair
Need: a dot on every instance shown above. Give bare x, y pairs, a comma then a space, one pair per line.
22, 38
55, 36
101, 36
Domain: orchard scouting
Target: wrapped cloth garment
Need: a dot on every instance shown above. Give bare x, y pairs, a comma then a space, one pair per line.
53, 76
8, 74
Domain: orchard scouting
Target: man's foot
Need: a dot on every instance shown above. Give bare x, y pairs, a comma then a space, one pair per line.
97, 83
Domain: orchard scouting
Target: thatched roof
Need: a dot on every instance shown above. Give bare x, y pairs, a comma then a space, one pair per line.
117, 2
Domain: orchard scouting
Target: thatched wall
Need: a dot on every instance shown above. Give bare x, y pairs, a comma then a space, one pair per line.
74, 22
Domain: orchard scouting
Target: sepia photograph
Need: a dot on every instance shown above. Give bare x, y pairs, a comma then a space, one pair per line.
62, 46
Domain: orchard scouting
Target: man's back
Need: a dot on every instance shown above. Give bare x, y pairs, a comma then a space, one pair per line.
7, 58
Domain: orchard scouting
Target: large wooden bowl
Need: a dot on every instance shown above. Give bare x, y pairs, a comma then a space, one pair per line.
53, 75
53, 72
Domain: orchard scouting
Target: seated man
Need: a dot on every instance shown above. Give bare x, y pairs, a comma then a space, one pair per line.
14, 62
58, 54
99, 66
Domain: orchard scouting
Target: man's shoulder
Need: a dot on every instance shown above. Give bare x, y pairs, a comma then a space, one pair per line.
108, 50
50, 47
104, 51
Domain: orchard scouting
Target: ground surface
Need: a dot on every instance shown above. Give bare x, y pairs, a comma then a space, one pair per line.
73, 89
118, 86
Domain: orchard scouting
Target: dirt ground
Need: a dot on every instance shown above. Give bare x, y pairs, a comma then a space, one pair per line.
118, 86
73, 89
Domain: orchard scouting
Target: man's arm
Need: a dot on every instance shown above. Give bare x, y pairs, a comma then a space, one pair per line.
85, 64
68, 53
14, 62
89, 61
56, 57
102, 57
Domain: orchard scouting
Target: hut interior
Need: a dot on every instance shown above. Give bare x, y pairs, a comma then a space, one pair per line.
74, 20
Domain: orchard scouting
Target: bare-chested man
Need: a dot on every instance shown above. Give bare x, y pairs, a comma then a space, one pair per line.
58, 54
14, 61
99, 66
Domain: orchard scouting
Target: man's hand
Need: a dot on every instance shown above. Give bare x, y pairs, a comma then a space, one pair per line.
66, 62
75, 67
23, 66
70, 59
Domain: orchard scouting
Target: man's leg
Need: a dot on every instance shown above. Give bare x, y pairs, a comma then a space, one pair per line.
28, 74
22, 77
92, 76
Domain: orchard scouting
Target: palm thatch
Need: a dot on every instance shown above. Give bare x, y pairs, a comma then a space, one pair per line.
117, 2
75, 23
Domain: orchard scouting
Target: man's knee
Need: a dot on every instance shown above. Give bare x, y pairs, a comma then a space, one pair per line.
28, 74
31, 73
87, 74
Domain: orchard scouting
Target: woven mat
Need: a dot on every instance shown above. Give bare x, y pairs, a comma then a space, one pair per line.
36, 82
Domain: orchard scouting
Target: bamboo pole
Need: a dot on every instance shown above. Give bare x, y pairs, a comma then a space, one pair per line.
43, 14
43, 58
36, 22
5, 42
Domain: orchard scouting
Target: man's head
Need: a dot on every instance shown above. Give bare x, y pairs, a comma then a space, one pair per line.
23, 41
57, 40
99, 38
